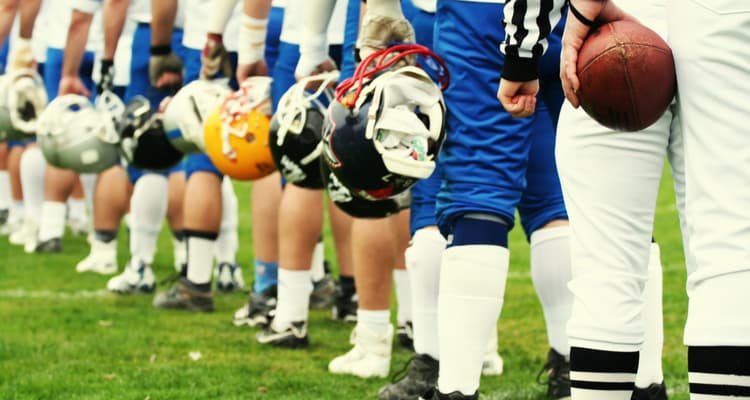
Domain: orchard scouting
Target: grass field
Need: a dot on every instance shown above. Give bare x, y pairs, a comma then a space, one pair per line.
62, 336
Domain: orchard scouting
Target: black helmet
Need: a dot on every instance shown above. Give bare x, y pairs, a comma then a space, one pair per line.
296, 130
143, 140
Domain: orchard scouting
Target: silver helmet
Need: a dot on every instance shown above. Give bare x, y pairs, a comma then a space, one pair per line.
75, 135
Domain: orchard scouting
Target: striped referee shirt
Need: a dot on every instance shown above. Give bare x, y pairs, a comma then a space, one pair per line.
528, 24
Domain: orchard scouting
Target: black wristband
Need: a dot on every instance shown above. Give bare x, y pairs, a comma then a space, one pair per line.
161, 50
107, 64
580, 17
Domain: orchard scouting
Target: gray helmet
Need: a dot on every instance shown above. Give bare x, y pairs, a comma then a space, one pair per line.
22, 100
184, 115
75, 135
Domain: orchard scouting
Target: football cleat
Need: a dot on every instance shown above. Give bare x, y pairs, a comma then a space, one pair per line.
78, 226
53, 245
323, 292
492, 364
256, 312
26, 232
229, 277
405, 335
435, 394
4, 216
370, 357
654, 391
102, 258
344, 306
185, 295
557, 370
135, 278
418, 376
294, 336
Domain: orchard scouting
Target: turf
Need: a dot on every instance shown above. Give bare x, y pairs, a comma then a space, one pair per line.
63, 337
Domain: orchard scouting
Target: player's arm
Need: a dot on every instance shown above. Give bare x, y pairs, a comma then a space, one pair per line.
252, 40
114, 14
23, 56
313, 46
528, 24
383, 23
75, 47
214, 57
8, 10
582, 15
165, 68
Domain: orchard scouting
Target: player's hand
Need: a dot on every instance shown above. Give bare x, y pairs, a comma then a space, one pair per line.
245, 71
73, 85
23, 56
380, 28
586, 15
214, 58
518, 98
303, 71
165, 69
106, 77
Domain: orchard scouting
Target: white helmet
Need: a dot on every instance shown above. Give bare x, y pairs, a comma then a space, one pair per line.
75, 135
22, 100
185, 114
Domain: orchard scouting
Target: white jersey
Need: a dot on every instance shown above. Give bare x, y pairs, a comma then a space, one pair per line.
196, 14
57, 22
291, 28
425, 5
39, 36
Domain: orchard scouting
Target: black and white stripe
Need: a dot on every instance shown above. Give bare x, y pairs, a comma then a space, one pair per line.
719, 371
602, 374
528, 24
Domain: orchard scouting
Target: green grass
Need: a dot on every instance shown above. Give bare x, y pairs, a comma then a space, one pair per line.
63, 337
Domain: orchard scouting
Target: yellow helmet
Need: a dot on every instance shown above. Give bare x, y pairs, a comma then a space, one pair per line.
236, 133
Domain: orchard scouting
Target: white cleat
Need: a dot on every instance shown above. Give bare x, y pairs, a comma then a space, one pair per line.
102, 258
21, 233
134, 279
370, 357
492, 364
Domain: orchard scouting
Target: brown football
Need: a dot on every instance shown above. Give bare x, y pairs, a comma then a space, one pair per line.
627, 75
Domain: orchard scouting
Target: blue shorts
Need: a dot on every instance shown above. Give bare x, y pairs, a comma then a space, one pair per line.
134, 173
53, 72
283, 72
273, 37
140, 83
351, 30
200, 162
4, 55
487, 152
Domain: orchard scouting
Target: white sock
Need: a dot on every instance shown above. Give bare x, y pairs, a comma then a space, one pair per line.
148, 207
227, 243
16, 213
293, 298
550, 273
5, 199
403, 295
77, 209
472, 285
317, 269
52, 221
33, 167
376, 321
88, 181
200, 259
423, 263
649, 362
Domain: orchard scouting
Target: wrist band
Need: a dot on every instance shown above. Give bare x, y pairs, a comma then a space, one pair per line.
580, 17
161, 50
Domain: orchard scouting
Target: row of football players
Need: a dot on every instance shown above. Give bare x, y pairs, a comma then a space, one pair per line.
378, 236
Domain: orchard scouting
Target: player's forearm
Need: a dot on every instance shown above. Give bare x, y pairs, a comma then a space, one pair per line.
221, 11
163, 14
28, 10
115, 13
75, 46
536, 19
314, 41
258, 9
252, 35
8, 10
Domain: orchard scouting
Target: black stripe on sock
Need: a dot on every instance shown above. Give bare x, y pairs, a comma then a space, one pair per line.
589, 360
602, 385
200, 234
726, 360
719, 390
105, 236
178, 234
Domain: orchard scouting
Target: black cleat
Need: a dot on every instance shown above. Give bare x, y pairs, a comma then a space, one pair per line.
258, 309
418, 376
229, 277
344, 306
557, 370
654, 391
324, 292
434, 394
405, 335
293, 337
4, 216
185, 295
53, 245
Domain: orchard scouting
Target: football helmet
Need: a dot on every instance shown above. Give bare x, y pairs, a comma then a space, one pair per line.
236, 132
296, 130
75, 135
143, 140
355, 206
390, 136
187, 111
22, 100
